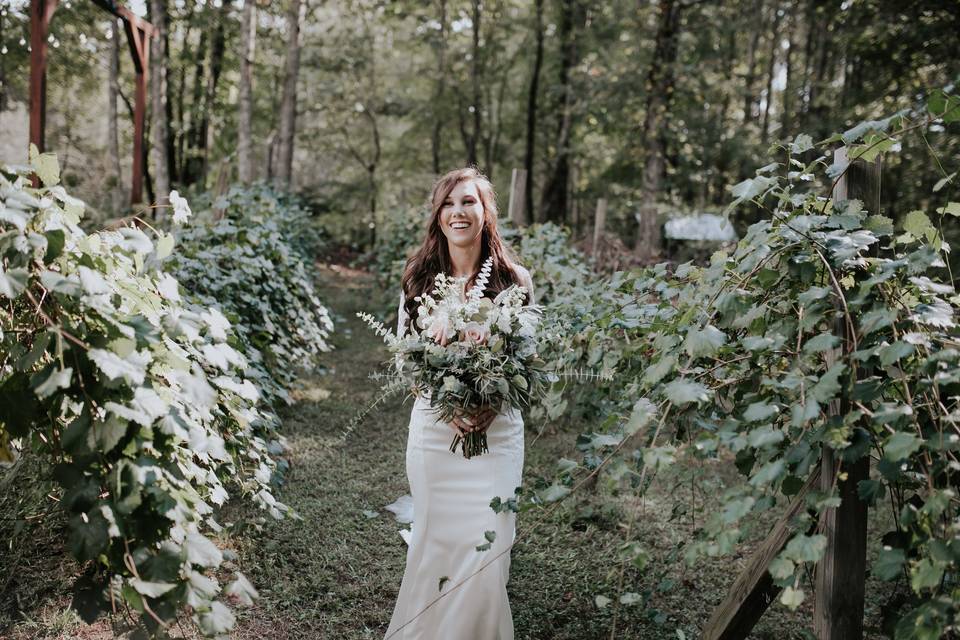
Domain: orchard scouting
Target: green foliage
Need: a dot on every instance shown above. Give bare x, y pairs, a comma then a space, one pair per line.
820, 303
398, 235
251, 262
146, 401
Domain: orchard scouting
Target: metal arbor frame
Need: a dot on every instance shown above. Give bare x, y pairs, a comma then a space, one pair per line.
138, 31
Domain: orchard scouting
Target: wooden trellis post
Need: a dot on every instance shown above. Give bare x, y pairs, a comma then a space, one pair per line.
138, 31
841, 574
838, 604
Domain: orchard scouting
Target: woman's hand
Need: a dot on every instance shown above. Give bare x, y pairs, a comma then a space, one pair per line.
479, 421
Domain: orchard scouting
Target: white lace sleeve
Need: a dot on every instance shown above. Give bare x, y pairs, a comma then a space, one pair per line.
527, 282
401, 316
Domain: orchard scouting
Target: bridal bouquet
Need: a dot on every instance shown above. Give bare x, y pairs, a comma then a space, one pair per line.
465, 352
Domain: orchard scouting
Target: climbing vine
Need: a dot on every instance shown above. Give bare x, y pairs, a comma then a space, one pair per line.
151, 405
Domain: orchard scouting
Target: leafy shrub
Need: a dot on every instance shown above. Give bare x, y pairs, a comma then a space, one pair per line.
147, 404
398, 235
247, 263
823, 302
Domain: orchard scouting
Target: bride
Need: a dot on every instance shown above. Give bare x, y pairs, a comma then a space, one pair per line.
450, 589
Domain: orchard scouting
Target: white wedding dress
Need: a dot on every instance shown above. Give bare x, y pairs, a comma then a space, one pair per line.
451, 591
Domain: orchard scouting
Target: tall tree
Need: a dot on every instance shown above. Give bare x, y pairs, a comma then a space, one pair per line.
471, 136
532, 93
248, 40
288, 104
3, 64
189, 152
113, 92
789, 89
217, 50
659, 88
749, 97
440, 87
771, 68
158, 91
556, 192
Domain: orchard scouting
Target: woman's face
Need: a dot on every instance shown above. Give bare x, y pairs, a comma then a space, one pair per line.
461, 215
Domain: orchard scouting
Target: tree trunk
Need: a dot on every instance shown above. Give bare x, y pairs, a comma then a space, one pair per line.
218, 45
660, 81
189, 157
808, 55
771, 67
822, 78
168, 107
555, 199
175, 104
288, 105
113, 91
786, 120
528, 161
248, 40
717, 182
748, 97
441, 88
494, 121
470, 138
158, 94
3, 67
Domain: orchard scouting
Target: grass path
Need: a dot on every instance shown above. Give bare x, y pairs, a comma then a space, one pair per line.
336, 574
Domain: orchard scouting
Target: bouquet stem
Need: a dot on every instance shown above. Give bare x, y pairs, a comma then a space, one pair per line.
474, 444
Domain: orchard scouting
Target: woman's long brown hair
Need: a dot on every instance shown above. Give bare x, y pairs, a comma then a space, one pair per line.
433, 256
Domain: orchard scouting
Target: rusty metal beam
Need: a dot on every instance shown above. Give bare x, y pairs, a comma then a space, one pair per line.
41, 12
139, 32
138, 36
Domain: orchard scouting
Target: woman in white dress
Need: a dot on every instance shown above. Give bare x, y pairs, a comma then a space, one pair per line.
450, 590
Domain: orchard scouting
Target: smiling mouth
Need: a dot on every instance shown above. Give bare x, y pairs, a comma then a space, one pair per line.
459, 225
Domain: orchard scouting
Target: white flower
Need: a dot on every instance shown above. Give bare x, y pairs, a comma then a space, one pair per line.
439, 327
181, 209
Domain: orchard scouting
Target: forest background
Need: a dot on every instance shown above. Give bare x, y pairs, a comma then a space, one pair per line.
359, 104
659, 109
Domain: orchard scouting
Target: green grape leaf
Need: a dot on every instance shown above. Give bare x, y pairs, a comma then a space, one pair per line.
889, 563
45, 165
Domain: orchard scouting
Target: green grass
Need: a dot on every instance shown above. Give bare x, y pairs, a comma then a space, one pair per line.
336, 573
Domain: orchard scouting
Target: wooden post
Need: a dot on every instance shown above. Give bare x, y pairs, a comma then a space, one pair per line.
41, 12
139, 39
840, 576
753, 590
599, 220
518, 187
139, 33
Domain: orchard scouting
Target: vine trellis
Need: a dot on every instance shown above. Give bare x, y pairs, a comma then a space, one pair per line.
139, 32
